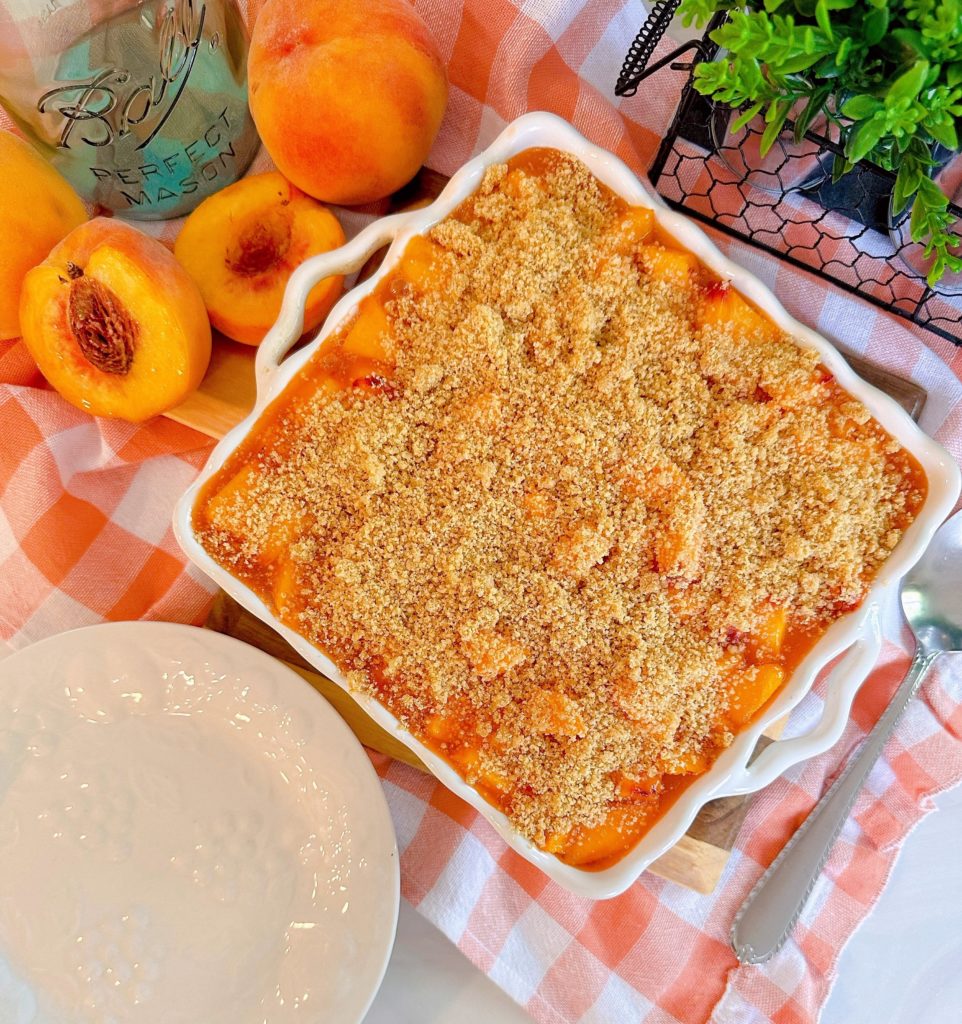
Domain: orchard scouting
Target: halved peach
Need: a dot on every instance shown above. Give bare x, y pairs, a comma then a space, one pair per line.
115, 323
241, 246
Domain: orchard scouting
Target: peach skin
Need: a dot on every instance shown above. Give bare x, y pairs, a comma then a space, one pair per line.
241, 245
37, 208
115, 323
347, 97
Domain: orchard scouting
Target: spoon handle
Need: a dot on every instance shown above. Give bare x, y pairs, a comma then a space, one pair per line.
773, 907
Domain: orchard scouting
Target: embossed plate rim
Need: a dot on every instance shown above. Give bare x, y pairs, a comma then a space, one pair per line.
327, 745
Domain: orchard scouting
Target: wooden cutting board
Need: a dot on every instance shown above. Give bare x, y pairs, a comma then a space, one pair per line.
226, 396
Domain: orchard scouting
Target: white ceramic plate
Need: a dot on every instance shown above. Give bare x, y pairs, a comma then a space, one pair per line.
189, 834
856, 633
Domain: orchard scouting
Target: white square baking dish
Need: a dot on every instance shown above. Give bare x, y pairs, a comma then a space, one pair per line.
856, 634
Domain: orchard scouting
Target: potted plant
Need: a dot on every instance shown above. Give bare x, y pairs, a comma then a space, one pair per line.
887, 73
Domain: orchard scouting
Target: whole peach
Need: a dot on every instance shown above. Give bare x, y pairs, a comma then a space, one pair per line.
347, 97
37, 208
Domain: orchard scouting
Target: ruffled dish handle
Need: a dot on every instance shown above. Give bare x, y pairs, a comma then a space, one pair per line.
289, 325
840, 689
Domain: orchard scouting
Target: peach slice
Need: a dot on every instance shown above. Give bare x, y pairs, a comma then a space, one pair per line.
721, 306
370, 334
37, 208
667, 264
753, 691
115, 323
241, 245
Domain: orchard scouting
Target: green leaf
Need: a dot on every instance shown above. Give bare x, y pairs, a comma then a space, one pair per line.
936, 271
744, 118
801, 62
824, 19
906, 185
775, 116
698, 12
917, 222
844, 49
908, 85
933, 197
840, 167
912, 40
860, 107
814, 106
863, 140
886, 155
944, 131
874, 25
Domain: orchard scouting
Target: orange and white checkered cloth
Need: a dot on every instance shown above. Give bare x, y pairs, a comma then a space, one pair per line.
85, 509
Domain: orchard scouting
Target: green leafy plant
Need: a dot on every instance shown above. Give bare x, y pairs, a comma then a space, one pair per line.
888, 73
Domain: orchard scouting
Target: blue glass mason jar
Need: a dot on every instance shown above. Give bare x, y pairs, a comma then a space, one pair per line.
141, 106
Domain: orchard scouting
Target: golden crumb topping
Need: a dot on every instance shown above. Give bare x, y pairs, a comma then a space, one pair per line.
564, 515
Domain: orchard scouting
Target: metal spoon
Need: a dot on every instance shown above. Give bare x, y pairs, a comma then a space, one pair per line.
932, 602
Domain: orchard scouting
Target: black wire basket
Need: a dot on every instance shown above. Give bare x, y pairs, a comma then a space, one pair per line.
786, 203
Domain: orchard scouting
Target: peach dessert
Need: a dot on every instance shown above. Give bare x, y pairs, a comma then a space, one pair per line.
347, 98
37, 208
114, 322
241, 245
564, 502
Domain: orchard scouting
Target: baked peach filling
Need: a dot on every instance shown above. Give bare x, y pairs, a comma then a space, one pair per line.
565, 503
